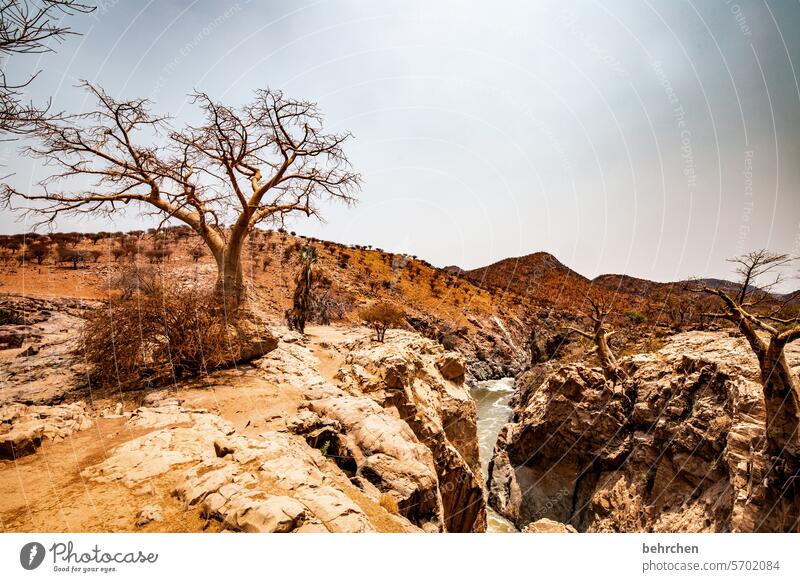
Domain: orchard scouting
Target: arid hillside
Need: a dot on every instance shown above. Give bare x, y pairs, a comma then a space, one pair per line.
492, 314
485, 325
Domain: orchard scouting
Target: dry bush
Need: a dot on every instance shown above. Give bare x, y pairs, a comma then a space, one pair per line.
158, 255
157, 334
382, 316
66, 255
39, 251
196, 253
134, 279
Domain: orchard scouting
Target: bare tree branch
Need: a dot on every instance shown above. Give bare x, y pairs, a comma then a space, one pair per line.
29, 27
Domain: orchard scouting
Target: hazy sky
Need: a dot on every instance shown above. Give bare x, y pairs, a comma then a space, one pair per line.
640, 137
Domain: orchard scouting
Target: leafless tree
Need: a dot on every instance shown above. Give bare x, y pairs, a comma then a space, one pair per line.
598, 314
756, 313
29, 27
240, 167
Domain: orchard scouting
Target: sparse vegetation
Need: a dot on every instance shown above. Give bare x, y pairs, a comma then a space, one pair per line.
636, 317
755, 316
382, 316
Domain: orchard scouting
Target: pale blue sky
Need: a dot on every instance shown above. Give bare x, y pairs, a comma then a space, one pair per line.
615, 135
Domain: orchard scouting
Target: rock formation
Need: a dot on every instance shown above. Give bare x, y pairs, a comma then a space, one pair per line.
386, 443
23, 428
406, 424
274, 483
676, 447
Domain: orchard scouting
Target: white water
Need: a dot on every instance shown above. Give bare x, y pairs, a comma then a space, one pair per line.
492, 398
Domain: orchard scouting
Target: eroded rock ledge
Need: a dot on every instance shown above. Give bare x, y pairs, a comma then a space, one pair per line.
675, 448
403, 422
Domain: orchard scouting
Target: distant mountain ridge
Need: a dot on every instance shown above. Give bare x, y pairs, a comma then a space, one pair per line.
541, 276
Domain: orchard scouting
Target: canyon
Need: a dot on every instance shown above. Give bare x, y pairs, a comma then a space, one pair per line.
480, 414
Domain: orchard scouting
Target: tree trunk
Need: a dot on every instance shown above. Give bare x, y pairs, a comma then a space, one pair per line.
780, 401
230, 280
253, 338
608, 362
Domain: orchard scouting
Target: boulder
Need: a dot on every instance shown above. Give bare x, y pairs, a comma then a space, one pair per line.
451, 367
237, 488
148, 513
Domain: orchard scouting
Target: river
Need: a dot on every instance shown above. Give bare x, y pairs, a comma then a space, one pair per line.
492, 398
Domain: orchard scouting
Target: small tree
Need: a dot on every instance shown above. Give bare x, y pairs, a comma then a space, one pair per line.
196, 253
66, 255
302, 299
382, 316
598, 315
39, 251
752, 309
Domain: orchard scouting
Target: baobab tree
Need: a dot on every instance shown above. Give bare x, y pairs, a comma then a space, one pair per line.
757, 316
598, 315
240, 167
28, 27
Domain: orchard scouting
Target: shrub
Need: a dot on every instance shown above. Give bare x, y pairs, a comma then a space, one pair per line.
158, 255
134, 280
382, 316
118, 253
196, 253
39, 251
73, 256
636, 316
156, 337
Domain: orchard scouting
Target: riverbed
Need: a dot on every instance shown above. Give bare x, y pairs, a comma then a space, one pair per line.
492, 398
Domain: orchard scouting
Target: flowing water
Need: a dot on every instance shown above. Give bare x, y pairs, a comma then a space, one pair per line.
492, 398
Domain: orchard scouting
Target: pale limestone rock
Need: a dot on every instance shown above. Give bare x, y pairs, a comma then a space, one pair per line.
545, 525
148, 513
23, 428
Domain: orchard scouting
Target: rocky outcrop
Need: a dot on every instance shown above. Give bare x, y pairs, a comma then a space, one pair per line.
676, 447
23, 428
389, 443
39, 363
406, 425
273, 483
